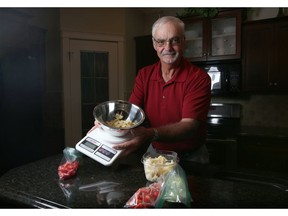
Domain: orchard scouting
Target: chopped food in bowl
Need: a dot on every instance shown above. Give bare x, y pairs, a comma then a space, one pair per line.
158, 164
118, 122
118, 117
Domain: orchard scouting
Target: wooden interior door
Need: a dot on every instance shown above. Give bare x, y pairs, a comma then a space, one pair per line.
93, 79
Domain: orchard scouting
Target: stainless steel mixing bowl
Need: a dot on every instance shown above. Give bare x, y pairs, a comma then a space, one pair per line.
107, 111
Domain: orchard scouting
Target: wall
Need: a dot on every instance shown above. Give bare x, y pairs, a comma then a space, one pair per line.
262, 13
132, 19
261, 110
152, 14
93, 20
266, 111
110, 21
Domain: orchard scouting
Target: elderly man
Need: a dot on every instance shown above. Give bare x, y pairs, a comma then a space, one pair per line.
175, 96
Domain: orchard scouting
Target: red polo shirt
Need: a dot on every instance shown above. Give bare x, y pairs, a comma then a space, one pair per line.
186, 95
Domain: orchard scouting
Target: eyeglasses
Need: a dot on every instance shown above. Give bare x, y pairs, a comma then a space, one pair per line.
173, 41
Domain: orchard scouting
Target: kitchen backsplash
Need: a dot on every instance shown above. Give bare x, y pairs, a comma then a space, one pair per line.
262, 110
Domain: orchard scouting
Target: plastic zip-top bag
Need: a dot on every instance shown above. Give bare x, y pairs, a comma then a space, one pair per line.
69, 164
144, 197
174, 192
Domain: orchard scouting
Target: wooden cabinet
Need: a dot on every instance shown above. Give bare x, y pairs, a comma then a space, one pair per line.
218, 38
145, 52
22, 70
262, 153
265, 56
222, 152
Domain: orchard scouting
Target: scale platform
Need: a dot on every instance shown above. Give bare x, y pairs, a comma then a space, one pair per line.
98, 145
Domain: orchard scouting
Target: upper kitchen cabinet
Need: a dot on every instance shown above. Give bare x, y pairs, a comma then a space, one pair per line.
265, 55
217, 38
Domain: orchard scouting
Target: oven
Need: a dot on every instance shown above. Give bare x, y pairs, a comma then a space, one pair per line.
223, 129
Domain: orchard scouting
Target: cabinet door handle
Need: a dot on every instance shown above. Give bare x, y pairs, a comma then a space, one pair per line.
273, 84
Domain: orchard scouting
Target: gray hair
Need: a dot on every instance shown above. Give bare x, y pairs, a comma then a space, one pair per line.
163, 20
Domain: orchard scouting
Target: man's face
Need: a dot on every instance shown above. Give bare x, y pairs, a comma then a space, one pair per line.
169, 43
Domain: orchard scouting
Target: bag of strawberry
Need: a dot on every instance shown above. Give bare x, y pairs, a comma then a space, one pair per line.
144, 197
69, 164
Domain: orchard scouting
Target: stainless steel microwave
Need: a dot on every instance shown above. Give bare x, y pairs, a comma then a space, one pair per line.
225, 77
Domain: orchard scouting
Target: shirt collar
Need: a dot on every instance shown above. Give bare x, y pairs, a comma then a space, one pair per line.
180, 73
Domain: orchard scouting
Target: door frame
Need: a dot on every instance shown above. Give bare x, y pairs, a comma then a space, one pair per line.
66, 36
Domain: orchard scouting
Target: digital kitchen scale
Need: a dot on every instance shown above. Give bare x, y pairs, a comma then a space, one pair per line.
98, 145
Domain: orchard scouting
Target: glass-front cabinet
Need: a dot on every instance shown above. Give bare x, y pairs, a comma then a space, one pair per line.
194, 40
215, 38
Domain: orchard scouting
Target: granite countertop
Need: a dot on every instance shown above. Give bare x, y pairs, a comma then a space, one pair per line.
278, 133
36, 185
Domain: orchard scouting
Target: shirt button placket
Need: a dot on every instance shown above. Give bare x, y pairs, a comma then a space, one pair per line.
163, 106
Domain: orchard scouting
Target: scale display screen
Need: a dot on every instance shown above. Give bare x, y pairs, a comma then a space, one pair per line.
90, 144
105, 152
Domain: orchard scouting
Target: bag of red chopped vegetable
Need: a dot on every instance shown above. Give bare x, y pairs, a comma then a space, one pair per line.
144, 197
69, 164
